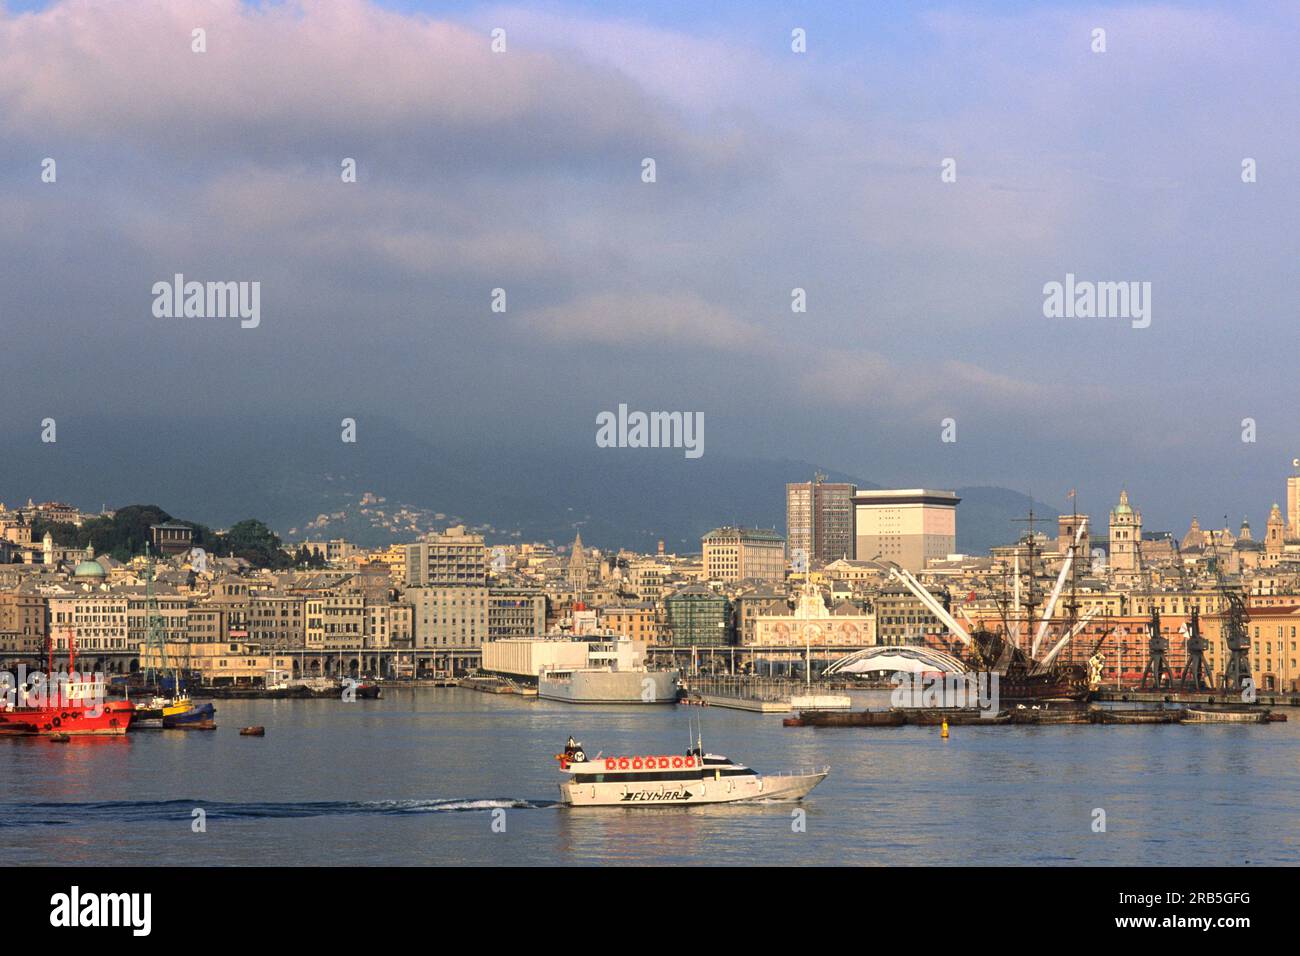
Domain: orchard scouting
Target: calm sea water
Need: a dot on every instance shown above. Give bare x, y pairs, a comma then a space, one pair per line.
413, 779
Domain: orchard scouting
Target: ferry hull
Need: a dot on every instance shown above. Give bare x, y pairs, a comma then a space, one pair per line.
752, 789
610, 687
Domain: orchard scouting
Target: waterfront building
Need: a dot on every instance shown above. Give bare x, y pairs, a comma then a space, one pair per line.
906, 526
223, 664
900, 617
515, 612
527, 657
753, 602
208, 624
735, 554
698, 616
388, 625
637, 622
819, 519
172, 608
277, 619
812, 624
96, 620
23, 626
453, 558
451, 623
1273, 645
336, 621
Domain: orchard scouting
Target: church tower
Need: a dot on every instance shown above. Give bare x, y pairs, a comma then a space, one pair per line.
1274, 534
1125, 533
578, 574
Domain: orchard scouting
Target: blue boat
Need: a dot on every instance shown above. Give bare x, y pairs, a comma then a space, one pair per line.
198, 717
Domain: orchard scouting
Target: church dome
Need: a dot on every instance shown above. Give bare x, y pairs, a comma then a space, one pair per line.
90, 569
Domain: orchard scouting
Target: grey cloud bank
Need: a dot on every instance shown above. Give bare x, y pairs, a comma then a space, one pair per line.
521, 171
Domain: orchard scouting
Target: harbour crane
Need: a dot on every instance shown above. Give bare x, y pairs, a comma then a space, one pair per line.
1196, 674
1157, 666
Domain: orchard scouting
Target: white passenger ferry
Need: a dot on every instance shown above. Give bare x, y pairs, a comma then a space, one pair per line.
680, 779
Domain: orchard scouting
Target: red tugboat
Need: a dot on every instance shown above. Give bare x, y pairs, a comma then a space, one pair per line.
70, 707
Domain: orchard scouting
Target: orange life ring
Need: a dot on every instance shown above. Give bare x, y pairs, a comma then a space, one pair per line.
663, 763
690, 761
622, 763
636, 763
611, 764
677, 762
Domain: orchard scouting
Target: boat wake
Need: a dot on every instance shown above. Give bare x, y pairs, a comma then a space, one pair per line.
132, 811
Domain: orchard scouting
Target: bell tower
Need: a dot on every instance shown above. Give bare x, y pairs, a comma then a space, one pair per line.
1125, 533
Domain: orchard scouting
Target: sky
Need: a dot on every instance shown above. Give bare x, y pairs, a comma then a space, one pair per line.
774, 170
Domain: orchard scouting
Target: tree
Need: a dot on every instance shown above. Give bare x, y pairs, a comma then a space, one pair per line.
257, 544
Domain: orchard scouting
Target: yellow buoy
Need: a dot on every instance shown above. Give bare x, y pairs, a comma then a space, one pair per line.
944, 731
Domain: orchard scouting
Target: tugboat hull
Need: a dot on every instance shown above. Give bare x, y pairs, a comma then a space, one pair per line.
199, 717
74, 719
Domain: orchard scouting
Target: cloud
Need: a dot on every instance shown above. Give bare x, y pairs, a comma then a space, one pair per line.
521, 170
319, 74
640, 319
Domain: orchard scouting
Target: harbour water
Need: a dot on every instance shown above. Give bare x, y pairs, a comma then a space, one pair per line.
415, 778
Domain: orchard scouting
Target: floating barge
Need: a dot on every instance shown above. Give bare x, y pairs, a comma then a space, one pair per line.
896, 717
1060, 715
1225, 715
1103, 715
934, 717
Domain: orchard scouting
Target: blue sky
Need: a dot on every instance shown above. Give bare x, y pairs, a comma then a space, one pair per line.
775, 171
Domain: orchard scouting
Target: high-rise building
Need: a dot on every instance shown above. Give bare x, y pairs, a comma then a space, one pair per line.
1293, 506
700, 616
516, 612
737, 554
908, 526
454, 558
819, 519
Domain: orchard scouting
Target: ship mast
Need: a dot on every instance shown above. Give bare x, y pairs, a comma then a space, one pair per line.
1029, 599
156, 640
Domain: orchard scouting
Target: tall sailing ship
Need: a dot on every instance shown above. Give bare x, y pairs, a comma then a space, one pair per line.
1025, 650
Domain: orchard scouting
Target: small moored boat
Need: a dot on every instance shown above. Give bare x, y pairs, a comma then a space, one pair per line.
198, 717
